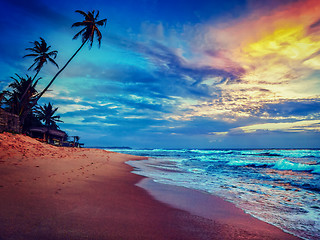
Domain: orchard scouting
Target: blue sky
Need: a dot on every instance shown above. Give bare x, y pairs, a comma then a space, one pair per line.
177, 74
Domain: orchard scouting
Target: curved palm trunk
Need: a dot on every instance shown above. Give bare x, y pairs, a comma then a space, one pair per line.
24, 94
34, 77
57, 74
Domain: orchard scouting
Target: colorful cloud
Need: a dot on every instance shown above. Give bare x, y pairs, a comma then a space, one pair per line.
278, 52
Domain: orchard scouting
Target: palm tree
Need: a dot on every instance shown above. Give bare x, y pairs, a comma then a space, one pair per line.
20, 100
90, 30
41, 53
46, 115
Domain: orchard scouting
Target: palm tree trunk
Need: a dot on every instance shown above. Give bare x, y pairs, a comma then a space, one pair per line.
57, 74
24, 94
34, 77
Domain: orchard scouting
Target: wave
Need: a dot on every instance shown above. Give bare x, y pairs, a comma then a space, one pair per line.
265, 154
288, 165
242, 163
279, 165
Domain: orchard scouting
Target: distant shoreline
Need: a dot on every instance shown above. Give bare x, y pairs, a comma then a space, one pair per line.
214, 149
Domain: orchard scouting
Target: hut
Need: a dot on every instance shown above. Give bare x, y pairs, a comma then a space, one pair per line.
9, 122
52, 136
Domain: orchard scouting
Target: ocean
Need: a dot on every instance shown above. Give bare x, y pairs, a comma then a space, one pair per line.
278, 186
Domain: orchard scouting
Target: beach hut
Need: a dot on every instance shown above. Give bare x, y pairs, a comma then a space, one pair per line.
52, 136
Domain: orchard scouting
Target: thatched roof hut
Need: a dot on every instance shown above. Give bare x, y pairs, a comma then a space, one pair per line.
53, 136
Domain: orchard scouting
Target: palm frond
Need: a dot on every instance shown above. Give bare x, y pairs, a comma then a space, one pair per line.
52, 61
90, 29
102, 22
79, 33
41, 53
82, 13
77, 24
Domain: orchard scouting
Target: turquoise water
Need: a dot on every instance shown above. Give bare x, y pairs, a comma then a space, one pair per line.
281, 187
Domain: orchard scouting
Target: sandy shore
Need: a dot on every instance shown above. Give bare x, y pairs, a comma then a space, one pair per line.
48, 192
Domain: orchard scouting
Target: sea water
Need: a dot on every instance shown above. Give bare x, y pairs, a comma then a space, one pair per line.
281, 187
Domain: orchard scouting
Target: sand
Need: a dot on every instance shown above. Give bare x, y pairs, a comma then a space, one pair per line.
49, 192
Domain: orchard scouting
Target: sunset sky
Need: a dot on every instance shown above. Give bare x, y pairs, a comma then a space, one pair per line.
177, 74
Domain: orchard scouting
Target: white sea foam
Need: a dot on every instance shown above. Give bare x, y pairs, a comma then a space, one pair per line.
288, 165
281, 187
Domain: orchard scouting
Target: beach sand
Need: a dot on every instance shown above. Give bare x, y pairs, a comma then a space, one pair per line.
49, 192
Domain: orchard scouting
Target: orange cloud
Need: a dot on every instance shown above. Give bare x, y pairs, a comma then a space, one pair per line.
279, 51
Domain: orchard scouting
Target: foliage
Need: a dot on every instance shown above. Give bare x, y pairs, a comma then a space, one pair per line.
20, 99
42, 55
90, 24
23, 97
46, 115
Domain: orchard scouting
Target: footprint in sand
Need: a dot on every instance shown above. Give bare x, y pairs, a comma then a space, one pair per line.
58, 190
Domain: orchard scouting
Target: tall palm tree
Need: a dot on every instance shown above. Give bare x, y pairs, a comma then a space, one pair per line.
46, 115
42, 55
90, 30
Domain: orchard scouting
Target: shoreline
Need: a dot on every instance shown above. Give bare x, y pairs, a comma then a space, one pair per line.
52, 193
211, 207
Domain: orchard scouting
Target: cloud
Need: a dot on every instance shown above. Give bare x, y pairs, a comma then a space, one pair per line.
298, 126
169, 61
294, 108
271, 50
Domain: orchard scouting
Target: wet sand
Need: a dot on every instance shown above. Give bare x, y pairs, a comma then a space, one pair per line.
49, 192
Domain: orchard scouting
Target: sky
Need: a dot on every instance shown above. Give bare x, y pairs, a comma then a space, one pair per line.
176, 74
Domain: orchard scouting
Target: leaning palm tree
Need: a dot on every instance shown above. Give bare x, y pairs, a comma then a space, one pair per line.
90, 30
42, 55
46, 115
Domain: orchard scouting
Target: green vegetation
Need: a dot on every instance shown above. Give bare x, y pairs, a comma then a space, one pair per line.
22, 98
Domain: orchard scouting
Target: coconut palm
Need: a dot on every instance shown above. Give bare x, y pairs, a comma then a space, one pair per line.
22, 96
90, 29
46, 115
16, 100
42, 55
